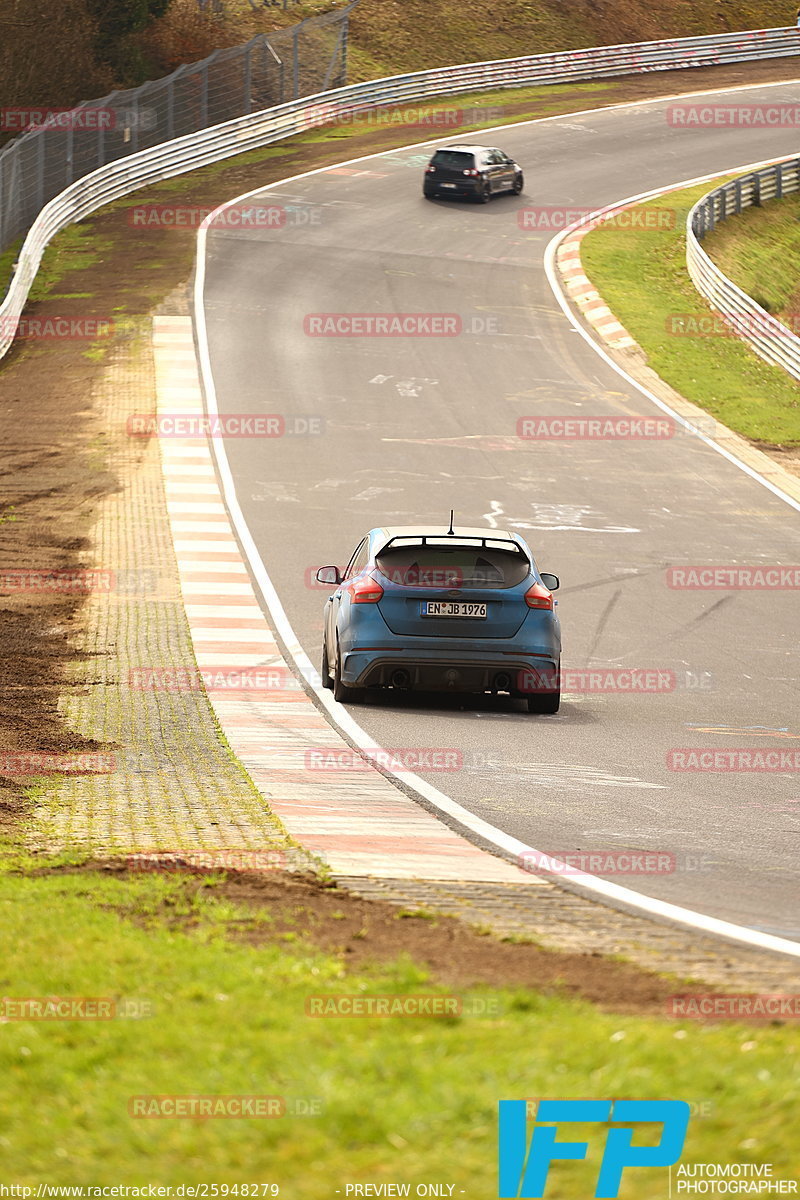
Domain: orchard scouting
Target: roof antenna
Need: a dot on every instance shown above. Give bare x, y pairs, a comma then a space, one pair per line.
451, 531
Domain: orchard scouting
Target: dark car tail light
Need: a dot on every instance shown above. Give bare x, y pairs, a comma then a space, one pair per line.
366, 591
539, 597
429, 170
472, 171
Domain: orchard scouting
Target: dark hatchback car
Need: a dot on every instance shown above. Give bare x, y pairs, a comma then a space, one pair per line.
474, 171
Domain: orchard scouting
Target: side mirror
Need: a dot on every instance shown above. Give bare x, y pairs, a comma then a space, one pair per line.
329, 575
551, 582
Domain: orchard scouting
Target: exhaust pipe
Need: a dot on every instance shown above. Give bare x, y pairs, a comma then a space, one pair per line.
502, 682
400, 679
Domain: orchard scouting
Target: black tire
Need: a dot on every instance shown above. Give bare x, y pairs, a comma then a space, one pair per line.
518, 185
325, 670
341, 692
429, 195
545, 704
485, 194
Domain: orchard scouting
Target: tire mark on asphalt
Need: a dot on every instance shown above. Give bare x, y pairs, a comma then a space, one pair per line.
601, 624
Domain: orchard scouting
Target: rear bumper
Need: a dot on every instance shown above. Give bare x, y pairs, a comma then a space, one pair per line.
467, 187
433, 671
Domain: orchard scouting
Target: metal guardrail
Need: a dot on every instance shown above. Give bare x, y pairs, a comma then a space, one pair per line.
771, 339
254, 130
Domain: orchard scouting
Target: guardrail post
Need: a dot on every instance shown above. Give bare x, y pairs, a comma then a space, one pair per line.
738, 193
69, 152
171, 109
345, 42
295, 62
39, 177
248, 83
204, 96
757, 190
779, 182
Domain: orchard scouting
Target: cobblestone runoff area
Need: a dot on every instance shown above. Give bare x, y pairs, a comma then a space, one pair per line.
174, 786
182, 599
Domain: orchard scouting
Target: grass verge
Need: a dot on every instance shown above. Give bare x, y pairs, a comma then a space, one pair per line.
759, 251
217, 1006
641, 274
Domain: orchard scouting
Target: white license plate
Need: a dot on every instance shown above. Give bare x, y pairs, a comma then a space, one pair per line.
452, 185
453, 608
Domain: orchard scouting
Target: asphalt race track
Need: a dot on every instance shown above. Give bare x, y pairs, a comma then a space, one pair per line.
416, 425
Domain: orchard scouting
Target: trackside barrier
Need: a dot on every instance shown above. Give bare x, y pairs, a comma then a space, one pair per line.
769, 338
254, 130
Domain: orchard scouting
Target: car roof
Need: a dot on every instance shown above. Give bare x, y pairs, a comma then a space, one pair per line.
472, 146
382, 536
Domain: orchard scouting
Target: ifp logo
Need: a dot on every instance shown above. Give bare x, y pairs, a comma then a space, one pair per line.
524, 1169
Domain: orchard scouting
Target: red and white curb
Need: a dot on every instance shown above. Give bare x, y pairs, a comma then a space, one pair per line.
582, 291
328, 797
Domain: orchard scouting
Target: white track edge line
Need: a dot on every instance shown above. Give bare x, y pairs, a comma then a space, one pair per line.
338, 715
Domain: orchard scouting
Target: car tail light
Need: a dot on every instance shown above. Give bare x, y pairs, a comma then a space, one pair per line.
472, 171
539, 597
366, 591
430, 170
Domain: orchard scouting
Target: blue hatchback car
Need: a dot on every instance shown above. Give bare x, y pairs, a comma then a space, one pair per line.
442, 610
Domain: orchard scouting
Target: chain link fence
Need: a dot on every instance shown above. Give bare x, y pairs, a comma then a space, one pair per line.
268, 70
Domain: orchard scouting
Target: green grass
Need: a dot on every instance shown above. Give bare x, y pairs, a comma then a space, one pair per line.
74, 249
759, 250
642, 276
400, 1099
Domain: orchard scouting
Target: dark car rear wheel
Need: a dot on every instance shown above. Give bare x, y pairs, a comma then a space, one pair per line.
518, 185
341, 692
547, 702
325, 670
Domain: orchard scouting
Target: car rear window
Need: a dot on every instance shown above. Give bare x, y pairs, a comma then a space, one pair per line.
453, 566
456, 160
